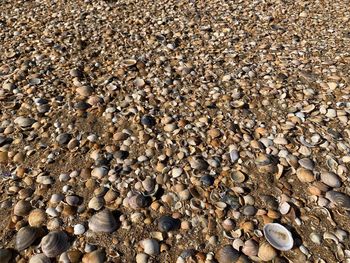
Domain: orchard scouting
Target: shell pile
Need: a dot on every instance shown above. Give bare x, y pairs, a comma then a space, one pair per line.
174, 131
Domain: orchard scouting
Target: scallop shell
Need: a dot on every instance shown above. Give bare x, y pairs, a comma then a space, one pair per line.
340, 199
25, 237
5, 255
39, 258
103, 221
278, 236
54, 243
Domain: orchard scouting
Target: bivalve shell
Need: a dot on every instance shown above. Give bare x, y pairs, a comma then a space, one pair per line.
37, 218
330, 179
150, 246
305, 175
5, 255
266, 252
22, 208
338, 198
39, 258
97, 256
278, 236
103, 221
26, 237
54, 243
227, 254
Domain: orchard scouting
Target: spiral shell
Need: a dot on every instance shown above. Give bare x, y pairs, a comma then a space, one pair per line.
25, 237
103, 221
54, 243
338, 198
39, 258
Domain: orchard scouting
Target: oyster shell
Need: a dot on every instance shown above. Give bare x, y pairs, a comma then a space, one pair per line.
103, 221
54, 243
278, 236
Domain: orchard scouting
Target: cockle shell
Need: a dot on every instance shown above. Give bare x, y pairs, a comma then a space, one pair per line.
25, 237
266, 252
37, 217
227, 254
338, 198
22, 208
39, 258
54, 243
97, 256
278, 236
103, 221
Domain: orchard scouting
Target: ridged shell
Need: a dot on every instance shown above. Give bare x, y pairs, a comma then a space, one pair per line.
22, 208
266, 252
5, 255
278, 236
97, 256
25, 237
39, 258
54, 243
37, 217
227, 254
250, 248
340, 199
103, 221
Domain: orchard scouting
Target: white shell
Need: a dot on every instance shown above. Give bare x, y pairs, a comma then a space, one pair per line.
278, 236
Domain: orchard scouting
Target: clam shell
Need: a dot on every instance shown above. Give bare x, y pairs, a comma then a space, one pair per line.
54, 243
5, 255
330, 179
250, 248
338, 198
97, 256
39, 258
150, 246
103, 221
22, 208
278, 236
25, 237
37, 217
266, 252
238, 177
24, 122
227, 254
129, 62
305, 175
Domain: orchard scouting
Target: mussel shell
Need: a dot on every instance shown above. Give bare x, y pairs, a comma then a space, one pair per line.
278, 236
103, 221
54, 243
39, 258
26, 237
340, 199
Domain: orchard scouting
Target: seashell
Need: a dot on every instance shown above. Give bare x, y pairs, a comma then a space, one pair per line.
5, 255
338, 198
141, 258
176, 172
22, 208
97, 256
341, 235
305, 176
237, 244
103, 221
284, 208
330, 179
54, 243
250, 248
234, 155
228, 224
139, 201
26, 237
99, 172
39, 258
73, 200
148, 121
227, 254
278, 236
266, 252
238, 176
167, 224
96, 203
129, 62
316, 238
150, 246
198, 163
307, 163
37, 218
24, 122
331, 236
